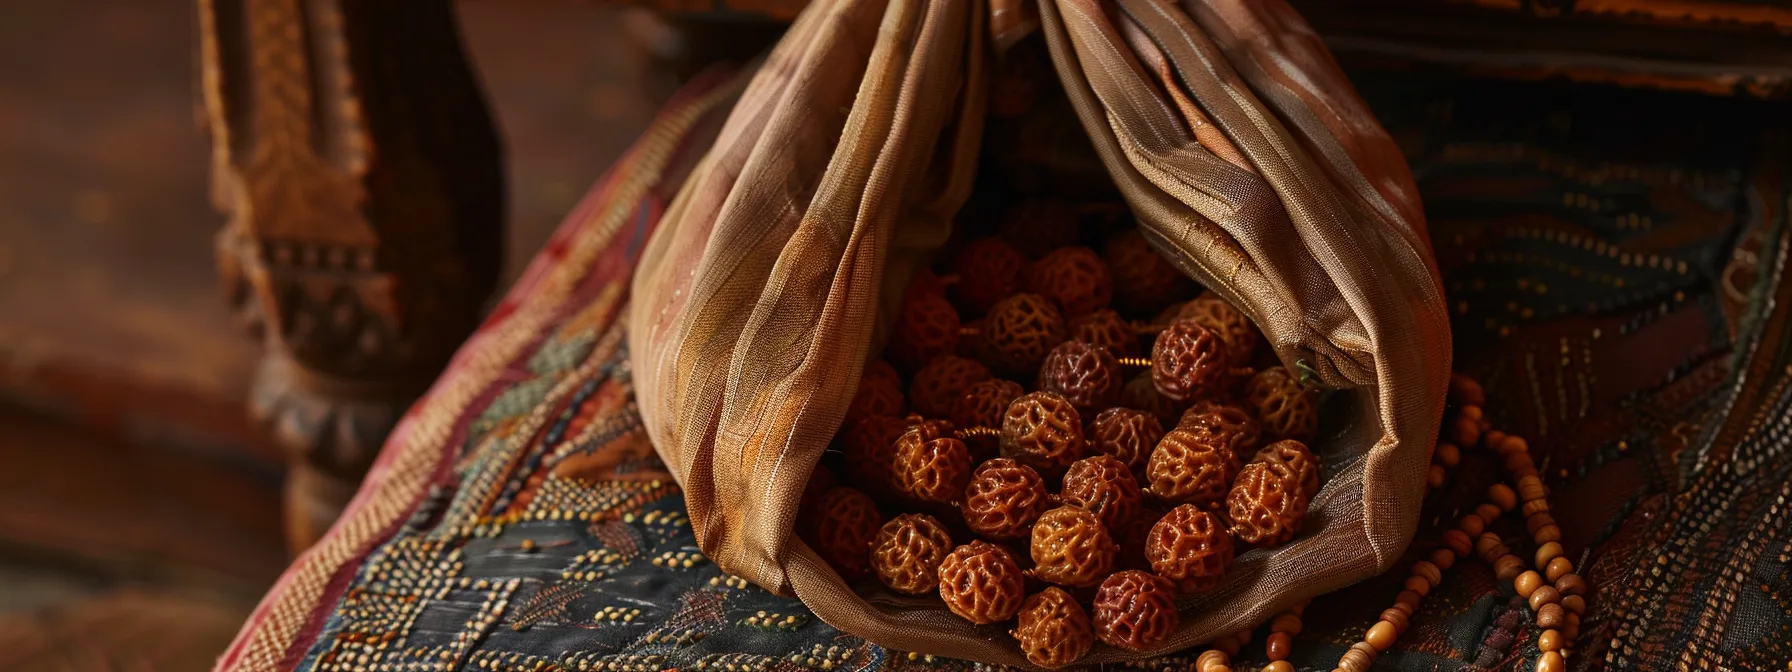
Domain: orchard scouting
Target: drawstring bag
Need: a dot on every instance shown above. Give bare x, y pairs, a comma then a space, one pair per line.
1247, 160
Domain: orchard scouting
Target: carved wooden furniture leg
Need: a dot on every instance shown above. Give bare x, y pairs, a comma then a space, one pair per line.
362, 179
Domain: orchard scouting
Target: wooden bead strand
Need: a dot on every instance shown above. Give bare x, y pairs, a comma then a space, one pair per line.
1280, 642
1555, 593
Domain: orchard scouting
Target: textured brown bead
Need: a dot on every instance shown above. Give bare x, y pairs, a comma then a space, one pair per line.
1465, 431
1185, 469
1535, 507
1036, 227
1418, 584
1213, 660
1266, 509
1127, 434
880, 393
1228, 422
1381, 635
980, 582
1458, 542
1397, 617
1527, 583
1435, 477
1288, 623
870, 452
1409, 599
1291, 461
1502, 496
988, 271
1189, 361
1531, 487
1546, 552
1135, 610
1508, 567
1285, 408
1550, 640
1190, 547
1543, 595
1571, 584
1044, 431
1107, 329
1551, 615
926, 327
1575, 604
1488, 545
1472, 524
1552, 661
1086, 375
1356, 660
1074, 278
1141, 393
848, 523
1488, 512
1571, 628
982, 405
1019, 331
934, 470
1512, 445
1053, 630
1277, 646
1429, 572
1103, 485
1278, 666
1070, 547
1447, 454
1144, 280
1464, 390
1231, 324
1003, 499
1443, 558
908, 553
1547, 532
939, 382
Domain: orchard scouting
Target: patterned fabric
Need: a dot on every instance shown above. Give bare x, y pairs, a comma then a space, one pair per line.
1614, 262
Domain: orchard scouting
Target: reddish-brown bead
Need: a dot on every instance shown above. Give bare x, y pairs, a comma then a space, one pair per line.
1053, 630
1086, 375
1074, 278
932, 468
1187, 468
1037, 227
939, 383
908, 553
1231, 324
1135, 610
1003, 499
1294, 463
1044, 431
1190, 547
870, 452
1070, 547
982, 405
1019, 331
1106, 487
1226, 421
980, 582
847, 524
1127, 434
1285, 408
1266, 508
926, 327
1189, 361
1144, 280
988, 270
1278, 646
1107, 329
880, 393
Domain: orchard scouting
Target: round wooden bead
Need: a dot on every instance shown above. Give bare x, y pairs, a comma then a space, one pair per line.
1552, 661
1286, 622
1530, 487
1491, 440
1571, 584
908, 553
1551, 615
1503, 496
941, 381
1427, 571
1144, 280
1231, 324
1418, 584
1107, 329
1019, 331
1472, 524
1447, 454
880, 393
1044, 431
1397, 617
1278, 666
1381, 635
1074, 278
1266, 509
1128, 435
983, 404
1571, 628
1465, 431
1003, 499
849, 522
1135, 610
1053, 630
1184, 469
1556, 568
1544, 595
1086, 375
926, 327
1294, 463
1488, 512
1285, 408
1488, 544
1213, 660
870, 453
988, 270
1575, 604
1189, 361
1435, 477
1458, 542
1227, 422
1512, 445
1036, 227
931, 464
1464, 390
1535, 507
1508, 568
1444, 558
1470, 411
1105, 487
1547, 532
1547, 552
1357, 660
1070, 547
1527, 583
1550, 640
980, 582
1190, 547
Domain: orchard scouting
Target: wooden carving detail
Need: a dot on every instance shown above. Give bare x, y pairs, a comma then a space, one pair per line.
362, 179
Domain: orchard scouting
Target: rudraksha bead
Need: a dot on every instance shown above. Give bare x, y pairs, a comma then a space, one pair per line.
926, 327
870, 452
880, 393
1105, 487
1053, 629
982, 405
1086, 375
1228, 423
1294, 463
1191, 547
1135, 610
1144, 280
980, 582
1019, 331
1222, 318
1266, 509
932, 465
1127, 434
1038, 227
847, 524
1141, 393
1070, 547
988, 270
1285, 408
1189, 469
1107, 329
908, 553
939, 383
1074, 278
1003, 499
1189, 361
1042, 430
